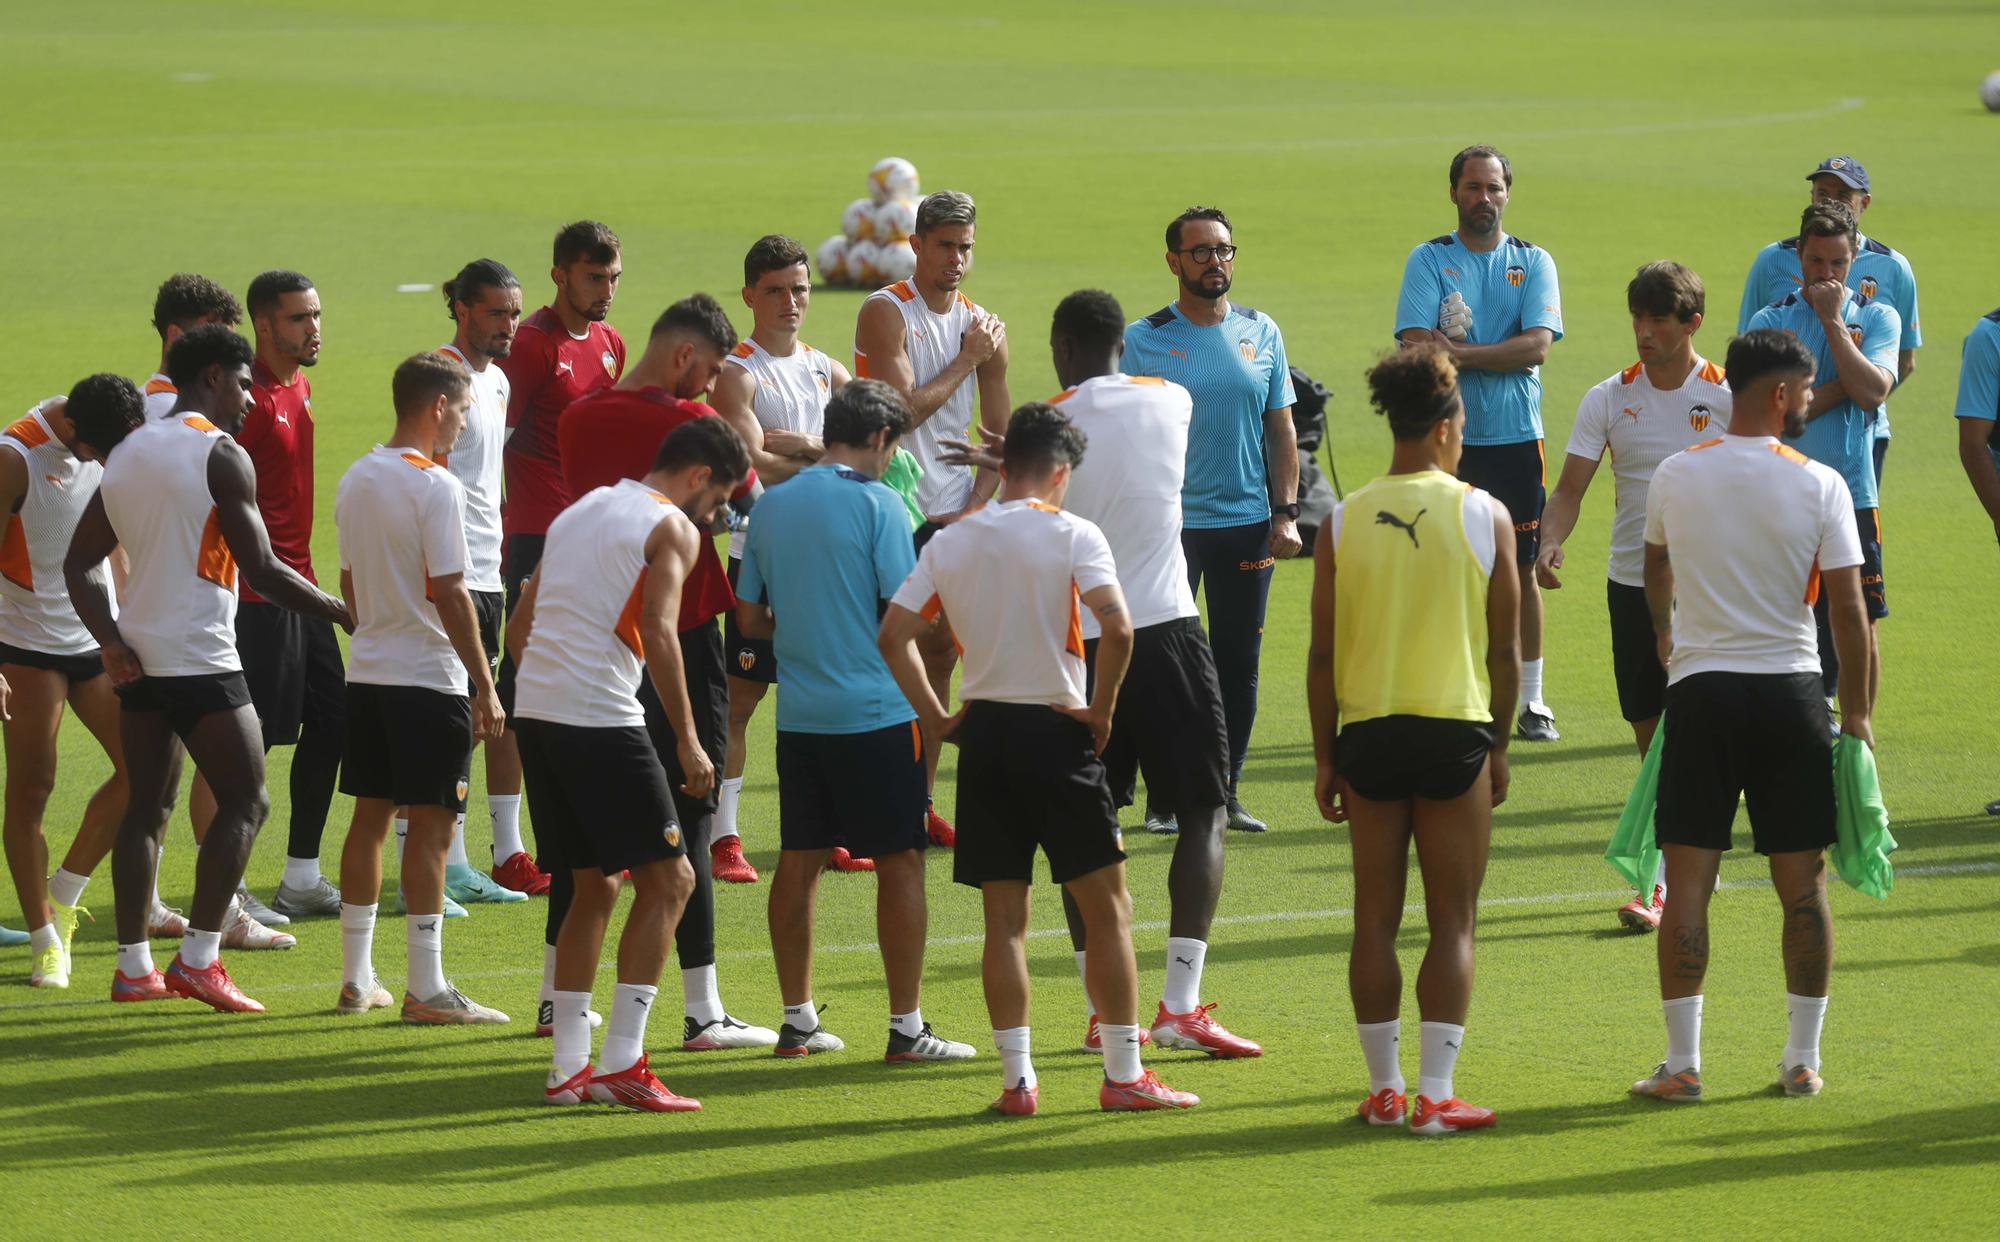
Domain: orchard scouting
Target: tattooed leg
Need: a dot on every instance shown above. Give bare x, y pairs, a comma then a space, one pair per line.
1683, 939
1800, 879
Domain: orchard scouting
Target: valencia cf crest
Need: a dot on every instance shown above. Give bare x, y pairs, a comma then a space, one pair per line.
1854, 334
462, 787
822, 381
1248, 349
1868, 286
1516, 276
746, 659
673, 834
610, 364
1699, 416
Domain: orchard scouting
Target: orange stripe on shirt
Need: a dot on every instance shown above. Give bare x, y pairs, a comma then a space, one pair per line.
1812, 584
1075, 643
933, 609
156, 386
627, 629
213, 561
28, 432
15, 565
199, 423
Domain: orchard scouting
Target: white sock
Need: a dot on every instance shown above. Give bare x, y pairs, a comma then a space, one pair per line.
300, 872
700, 995
1660, 881
455, 856
1184, 962
909, 1024
725, 809
66, 887
506, 812
357, 944
199, 949
1683, 1033
42, 938
1382, 1045
1531, 681
572, 1032
1083, 976
425, 935
1437, 1060
1017, 1069
402, 838
802, 1017
1806, 1014
625, 1038
135, 961
1121, 1052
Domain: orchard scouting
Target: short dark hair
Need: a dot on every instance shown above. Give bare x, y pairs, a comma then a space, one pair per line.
474, 279
1831, 218
860, 409
264, 292
104, 408
186, 299
201, 348
585, 241
1195, 213
1041, 437
1481, 151
1763, 352
945, 207
705, 441
1414, 388
422, 378
700, 315
1090, 317
772, 253
1666, 288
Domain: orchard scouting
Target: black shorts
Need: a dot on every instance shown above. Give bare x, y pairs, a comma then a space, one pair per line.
923, 533
1396, 758
750, 659
1168, 724
597, 797
292, 665
74, 668
1516, 476
708, 695
487, 607
1868, 524
1028, 777
1635, 653
185, 700
407, 744
518, 562
1759, 735
861, 790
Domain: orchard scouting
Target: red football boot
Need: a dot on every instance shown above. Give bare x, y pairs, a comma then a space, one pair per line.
1197, 1032
522, 875
636, 1088
212, 986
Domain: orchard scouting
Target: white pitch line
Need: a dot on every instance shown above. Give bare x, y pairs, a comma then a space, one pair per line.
1044, 933
415, 288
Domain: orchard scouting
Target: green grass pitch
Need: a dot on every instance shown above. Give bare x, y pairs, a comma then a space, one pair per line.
373, 144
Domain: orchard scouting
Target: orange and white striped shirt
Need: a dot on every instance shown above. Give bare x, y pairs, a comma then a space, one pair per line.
161, 397
180, 597
35, 612
401, 518
931, 341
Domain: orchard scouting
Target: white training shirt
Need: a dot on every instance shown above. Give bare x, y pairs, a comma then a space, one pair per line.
1007, 577
1129, 486
402, 522
584, 659
1749, 524
35, 611
791, 395
180, 597
474, 459
931, 341
161, 397
1476, 515
1642, 426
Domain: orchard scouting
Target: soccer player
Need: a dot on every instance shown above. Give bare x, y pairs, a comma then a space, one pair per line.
403, 564
1742, 532
1410, 676
1491, 299
603, 601
824, 554
1009, 580
181, 499
47, 476
1239, 504
773, 391
1854, 338
927, 340
560, 353
1667, 401
184, 301
484, 301
1879, 271
1978, 410
615, 434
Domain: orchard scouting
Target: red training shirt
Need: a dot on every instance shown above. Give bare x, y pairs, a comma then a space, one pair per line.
278, 435
615, 434
547, 371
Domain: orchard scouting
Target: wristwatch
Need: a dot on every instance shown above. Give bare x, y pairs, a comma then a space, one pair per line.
1290, 510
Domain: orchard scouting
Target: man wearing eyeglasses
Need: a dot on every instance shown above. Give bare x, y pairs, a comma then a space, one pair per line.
1491, 299
1239, 503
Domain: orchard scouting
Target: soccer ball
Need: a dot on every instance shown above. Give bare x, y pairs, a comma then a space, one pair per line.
863, 264
1989, 91
893, 180
858, 221
895, 220
895, 262
833, 259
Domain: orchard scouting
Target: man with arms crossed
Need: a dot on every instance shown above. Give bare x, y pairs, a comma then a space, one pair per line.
1743, 532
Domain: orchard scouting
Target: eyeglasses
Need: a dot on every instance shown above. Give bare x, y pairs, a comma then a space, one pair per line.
1202, 254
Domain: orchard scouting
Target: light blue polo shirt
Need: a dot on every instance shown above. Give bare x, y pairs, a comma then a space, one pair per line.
1979, 378
1843, 437
1510, 289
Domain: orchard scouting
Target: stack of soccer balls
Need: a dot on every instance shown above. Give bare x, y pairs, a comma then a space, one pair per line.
872, 248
